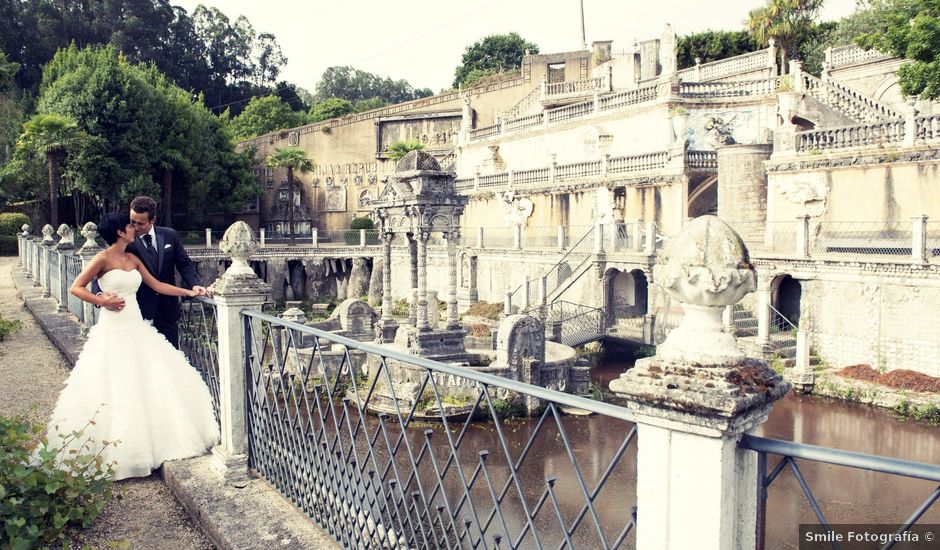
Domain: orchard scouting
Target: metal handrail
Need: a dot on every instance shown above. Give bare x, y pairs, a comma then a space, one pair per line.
571, 249
839, 457
606, 409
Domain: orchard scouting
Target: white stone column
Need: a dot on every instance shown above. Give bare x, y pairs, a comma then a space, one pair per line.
45, 251
422, 307
599, 238
35, 250
479, 237
649, 243
262, 236
695, 487
388, 324
763, 313
919, 238
208, 237
314, 237
236, 290
66, 244
86, 253
362, 238
24, 239
560, 239
910, 125
517, 237
802, 236
452, 237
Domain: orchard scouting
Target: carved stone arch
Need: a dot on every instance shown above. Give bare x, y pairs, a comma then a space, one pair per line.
705, 189
885, 87
439, 221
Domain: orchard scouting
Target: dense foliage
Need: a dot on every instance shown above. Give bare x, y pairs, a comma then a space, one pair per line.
357, 85
44, 490
908, 29
263, 115
205, 52
497, 53
789, 22
142, 135
713, 45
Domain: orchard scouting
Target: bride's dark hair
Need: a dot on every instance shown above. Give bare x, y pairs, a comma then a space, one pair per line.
110, 224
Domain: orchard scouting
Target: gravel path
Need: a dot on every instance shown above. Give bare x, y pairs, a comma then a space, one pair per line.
143, 513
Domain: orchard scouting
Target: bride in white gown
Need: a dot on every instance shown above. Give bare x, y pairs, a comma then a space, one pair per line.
147, 402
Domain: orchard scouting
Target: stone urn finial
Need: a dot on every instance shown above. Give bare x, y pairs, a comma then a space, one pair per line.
705, 267
25, 230
47, 232
239, 243
90, 232
66, 236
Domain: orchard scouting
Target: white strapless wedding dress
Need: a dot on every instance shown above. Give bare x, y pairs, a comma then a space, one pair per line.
141, 391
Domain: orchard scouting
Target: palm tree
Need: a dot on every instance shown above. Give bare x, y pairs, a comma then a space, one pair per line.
50, 135
400, 148
292, 158
786, 21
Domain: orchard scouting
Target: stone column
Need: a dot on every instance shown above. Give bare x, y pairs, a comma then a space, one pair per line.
763, 313
387, 324
802, 236
34, 251
742, 186
66, 243
422, 263
452, 237
238, 289
24, 239
86, 253
45, 252
695, 487
919, 238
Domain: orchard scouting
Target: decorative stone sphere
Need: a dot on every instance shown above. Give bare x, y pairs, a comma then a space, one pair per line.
239, 243
706, 264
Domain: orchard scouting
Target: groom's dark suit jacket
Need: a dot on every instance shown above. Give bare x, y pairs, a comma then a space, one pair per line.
170, 257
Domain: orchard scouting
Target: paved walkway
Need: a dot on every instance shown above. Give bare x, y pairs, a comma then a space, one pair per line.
143, 513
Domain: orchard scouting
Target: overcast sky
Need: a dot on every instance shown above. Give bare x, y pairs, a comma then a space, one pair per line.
423, 40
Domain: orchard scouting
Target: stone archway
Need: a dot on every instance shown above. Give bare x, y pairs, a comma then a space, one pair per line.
786, 297
627, 294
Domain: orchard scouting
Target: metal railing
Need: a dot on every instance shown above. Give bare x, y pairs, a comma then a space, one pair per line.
580, 323
790, 452
558, 273
869, 238
199, 341
73, 266
382, 452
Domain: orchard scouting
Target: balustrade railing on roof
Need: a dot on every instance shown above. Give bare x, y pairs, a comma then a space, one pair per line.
852, 54
494, 180
629, 97
577, 87
464, 184
523, 123
578, 170
485, 131
707, 160
637, 163
570, 112
535, 175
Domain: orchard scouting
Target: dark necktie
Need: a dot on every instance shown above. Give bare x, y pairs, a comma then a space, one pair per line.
148, 240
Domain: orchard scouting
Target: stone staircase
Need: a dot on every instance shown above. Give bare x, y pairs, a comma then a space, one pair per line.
847, 101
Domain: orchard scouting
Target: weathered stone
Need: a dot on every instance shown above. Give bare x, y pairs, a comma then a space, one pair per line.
375, 281
358, 283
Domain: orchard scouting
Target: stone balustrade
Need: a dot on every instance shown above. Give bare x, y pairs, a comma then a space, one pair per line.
865, 135
724, 68
851, 55
845, 99
928, 127
738, 88
576, 88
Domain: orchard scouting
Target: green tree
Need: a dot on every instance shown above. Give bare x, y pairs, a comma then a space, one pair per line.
786, 21
356, 85
400, 148
263, 115
712, 46
497, 53
50, 136
329, 108
294, 159
909, 29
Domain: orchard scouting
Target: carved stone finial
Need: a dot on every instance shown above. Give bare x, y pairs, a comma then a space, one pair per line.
239, 243
67, 236
705, 267
90, 232
47, 232
25, 230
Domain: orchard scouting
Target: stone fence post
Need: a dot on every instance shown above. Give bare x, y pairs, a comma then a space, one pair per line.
236, 290
86, 253
208, 237
599, 238
66, 244
649, 245
919, 238
23, 238
802, 236
45, 252
560, 237
695, 487
261, 233
479, 237
517, 237
910, 125
313, 237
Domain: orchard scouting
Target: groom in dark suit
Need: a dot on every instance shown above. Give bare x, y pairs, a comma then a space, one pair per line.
161, 250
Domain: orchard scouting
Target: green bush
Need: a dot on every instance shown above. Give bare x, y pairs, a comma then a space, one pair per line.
361, 223
8, 245
44, 490
7, 327
12, 222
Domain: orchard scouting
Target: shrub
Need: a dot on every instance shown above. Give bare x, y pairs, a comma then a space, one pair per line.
8, 245
7, 327
12, 222
361, 223
42, 489
486, 310
480, 330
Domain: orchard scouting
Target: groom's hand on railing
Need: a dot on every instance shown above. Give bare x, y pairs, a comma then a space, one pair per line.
200, 290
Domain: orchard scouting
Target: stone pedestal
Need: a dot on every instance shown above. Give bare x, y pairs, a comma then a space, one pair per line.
238, 289
695, 399
445, 345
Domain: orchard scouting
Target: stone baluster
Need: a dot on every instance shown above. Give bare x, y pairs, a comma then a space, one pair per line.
24, 238
649, 243
688, 415
517, 237
422, 305
238, 289
910, 124
63, 248
34, 250
452, 319
314, 237
48, 242
86, 253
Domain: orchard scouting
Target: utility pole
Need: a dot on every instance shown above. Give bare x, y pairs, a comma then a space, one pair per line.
583, 39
